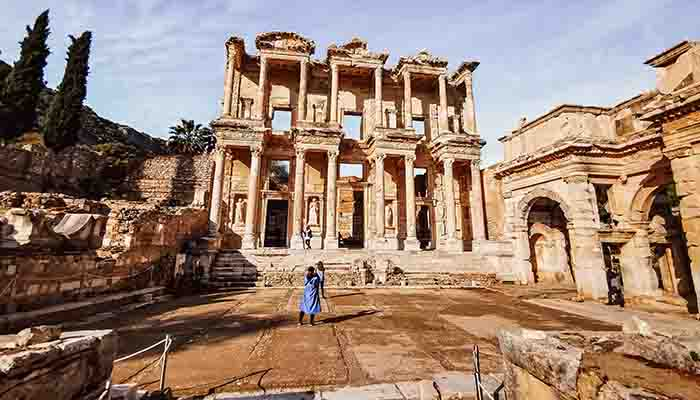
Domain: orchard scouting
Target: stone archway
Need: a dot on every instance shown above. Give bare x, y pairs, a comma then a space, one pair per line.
525, 204
548, 243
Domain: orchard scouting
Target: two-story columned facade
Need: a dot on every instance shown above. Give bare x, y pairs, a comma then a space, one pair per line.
366, 155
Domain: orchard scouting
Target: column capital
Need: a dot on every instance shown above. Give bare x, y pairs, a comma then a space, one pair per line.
410, 158
333, 155
263, 60
256, 150
476, 163
334, 68
300, 153
447, 163
220, 150
406, 75
379, 156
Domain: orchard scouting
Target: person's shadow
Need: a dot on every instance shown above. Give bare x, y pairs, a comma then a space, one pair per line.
347, 317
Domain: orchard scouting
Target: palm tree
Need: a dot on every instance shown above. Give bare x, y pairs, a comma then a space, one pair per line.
190, 138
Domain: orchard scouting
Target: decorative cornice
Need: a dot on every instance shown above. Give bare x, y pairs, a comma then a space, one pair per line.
423, 58
289, 41
465, 69
670, 55
356, 48
566, 149
679, 152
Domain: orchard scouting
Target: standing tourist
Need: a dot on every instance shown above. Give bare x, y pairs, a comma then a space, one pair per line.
322, 277
307, 235
310, 300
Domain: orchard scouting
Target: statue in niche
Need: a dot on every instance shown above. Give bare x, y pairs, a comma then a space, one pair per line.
314, 209
389, 215
240, 207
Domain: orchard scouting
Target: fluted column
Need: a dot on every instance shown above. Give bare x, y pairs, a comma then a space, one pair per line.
249, 241
407, 108
444, 125
262, 89
476, 205
301, 106
411, 242
331, 241
379, 111
297, 213
334, 93
379, 194
468, 111
228, 85
215, 209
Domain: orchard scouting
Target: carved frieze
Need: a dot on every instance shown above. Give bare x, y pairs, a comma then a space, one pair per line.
679, 152
355, 49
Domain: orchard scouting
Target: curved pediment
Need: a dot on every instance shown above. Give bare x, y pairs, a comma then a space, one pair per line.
423, 58
289, 41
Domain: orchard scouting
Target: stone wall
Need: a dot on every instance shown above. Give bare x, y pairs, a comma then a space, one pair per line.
75, 366
55, 251
638, 363
179, 179
34, 169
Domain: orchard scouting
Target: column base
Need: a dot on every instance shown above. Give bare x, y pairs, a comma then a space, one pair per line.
453, 245
248, 242
476, 245
411, 243
330, 243
386, 243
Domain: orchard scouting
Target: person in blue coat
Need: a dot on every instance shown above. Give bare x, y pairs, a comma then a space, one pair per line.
311, 299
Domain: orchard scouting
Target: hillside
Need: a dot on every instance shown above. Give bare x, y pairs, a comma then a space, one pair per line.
97, 130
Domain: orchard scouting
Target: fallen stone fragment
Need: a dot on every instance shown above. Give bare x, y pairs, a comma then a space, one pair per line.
38, 334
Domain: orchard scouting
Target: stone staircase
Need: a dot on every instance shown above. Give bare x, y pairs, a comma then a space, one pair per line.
233, 270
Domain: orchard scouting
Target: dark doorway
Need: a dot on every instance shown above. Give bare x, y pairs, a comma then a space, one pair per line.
356, 238
613, 274
276, 223
423, 227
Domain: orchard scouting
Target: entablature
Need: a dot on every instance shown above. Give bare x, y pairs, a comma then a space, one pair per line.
355, 54
422, 63
551, 154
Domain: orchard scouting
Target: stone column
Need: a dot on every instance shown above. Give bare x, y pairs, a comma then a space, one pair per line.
477, 206
331, 241
453, 243
262, 89
249, 241
228, 84
334, 93
442, 115
468, 113
301, 106
215, 209
685, 164
379, 194
411, 242
586, 253
379, 111
407, 107
297, 213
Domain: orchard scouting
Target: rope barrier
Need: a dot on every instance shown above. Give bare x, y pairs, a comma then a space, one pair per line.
12, 282
141, 351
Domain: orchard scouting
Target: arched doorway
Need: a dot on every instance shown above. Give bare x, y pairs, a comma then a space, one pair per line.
669, 254
548, 236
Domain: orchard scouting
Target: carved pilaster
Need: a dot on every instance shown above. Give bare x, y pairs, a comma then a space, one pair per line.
249, 241
331, 241
411, 240
297, 213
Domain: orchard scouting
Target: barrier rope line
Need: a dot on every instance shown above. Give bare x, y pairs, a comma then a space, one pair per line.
12, 282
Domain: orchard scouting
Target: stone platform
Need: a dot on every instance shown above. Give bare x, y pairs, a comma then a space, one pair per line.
350, 268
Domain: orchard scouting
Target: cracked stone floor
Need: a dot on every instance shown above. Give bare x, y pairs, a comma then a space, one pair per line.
249, 340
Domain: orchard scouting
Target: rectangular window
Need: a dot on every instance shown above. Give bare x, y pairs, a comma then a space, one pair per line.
279, 175
351, 170
281, 120
604, 209
352, 125
420, 182
419, 125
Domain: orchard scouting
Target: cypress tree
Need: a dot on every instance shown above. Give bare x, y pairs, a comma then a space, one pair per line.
25, 82
63, 121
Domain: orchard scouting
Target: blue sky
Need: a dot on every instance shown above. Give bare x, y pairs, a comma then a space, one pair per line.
154, 61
